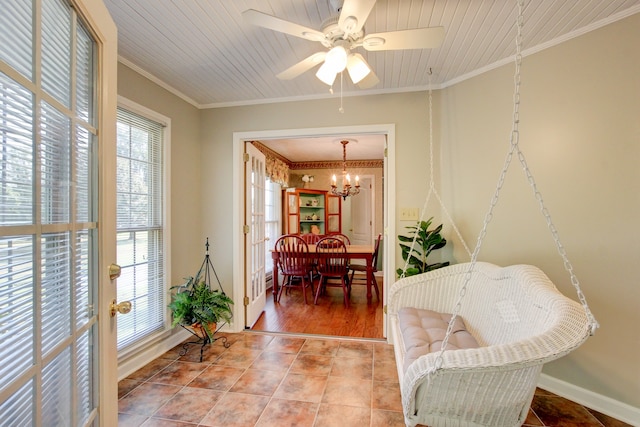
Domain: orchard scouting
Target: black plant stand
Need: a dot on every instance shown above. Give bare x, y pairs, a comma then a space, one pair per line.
206, 268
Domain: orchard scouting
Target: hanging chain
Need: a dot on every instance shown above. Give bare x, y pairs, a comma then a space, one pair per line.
341, 109
514, 139
514, 147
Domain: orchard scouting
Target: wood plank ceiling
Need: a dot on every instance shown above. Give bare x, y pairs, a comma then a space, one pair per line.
204, 52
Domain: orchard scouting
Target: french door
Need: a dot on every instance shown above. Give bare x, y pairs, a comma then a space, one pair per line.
255, 281
57, 80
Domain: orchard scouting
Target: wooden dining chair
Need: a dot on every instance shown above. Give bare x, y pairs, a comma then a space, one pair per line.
295, 264
310, 238
342, 237
332, 262
362, 269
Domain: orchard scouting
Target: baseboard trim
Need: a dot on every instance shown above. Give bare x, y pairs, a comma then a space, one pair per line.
598, 402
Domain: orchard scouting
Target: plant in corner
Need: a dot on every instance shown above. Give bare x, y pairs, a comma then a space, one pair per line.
427, 241
196, 306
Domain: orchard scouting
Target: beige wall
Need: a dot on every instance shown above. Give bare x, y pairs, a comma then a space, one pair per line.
580, 132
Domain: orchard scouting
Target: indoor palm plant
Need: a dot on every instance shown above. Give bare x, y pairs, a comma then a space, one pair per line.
199, 308
427, 241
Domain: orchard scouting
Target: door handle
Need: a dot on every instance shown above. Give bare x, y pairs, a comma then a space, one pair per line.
123, 307
114, 271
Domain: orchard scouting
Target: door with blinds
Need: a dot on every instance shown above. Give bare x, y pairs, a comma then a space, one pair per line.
53, 312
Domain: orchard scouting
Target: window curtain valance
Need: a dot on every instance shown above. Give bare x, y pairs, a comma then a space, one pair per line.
276, 167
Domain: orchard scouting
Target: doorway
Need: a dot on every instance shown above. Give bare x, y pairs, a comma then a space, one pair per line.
240, 138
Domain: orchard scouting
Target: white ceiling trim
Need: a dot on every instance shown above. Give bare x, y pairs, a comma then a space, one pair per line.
539, 48
157, 81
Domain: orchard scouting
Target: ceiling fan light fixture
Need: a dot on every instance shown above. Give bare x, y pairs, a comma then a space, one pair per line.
326, 74
337, 59
357, 68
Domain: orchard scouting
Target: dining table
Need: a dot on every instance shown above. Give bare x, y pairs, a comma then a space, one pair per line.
364, 252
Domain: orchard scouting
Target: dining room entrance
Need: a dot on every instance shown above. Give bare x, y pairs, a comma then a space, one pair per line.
364, 318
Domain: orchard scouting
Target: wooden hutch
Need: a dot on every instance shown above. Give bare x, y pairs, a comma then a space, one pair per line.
311, 211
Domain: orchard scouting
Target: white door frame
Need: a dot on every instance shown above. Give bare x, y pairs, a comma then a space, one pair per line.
389, 228
101, 23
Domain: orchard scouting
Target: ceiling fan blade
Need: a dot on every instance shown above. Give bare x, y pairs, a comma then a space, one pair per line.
420, 38
370, 81
264, 20
354, 14
302, 66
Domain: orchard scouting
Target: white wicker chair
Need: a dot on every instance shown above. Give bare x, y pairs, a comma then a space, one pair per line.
519, 319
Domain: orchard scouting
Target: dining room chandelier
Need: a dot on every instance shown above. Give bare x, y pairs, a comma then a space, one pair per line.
347, 189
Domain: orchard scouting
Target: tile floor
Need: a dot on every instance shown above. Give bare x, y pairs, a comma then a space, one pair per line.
281, 380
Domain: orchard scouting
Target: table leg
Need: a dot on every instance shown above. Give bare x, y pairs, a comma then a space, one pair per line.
274, 256
369, 276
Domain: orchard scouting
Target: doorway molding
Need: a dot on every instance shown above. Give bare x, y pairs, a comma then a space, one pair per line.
389, 208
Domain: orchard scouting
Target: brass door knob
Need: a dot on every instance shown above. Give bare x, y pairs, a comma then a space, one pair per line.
114, 271
123, 307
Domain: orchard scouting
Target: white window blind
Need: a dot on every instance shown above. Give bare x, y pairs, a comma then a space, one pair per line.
272, 220
140, 227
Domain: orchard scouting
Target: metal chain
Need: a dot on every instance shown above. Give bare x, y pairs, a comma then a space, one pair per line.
514, 147
494, 200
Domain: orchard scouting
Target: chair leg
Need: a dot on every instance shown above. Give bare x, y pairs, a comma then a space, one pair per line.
375, 286
315, 300
284, 285
345, 290
304, 288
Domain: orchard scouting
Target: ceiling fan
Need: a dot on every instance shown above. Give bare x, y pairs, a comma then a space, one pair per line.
341, 34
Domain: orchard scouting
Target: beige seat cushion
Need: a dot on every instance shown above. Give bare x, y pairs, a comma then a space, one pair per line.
424, 330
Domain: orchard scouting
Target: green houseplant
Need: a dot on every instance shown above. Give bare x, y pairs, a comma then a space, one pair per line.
199, 308
427, 241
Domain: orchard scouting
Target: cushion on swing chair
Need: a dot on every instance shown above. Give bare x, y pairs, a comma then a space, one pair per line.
424, 330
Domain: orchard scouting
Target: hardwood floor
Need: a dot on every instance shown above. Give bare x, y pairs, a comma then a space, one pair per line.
328, 317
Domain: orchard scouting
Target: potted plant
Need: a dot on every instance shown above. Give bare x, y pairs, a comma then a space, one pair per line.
427, 241
199, 308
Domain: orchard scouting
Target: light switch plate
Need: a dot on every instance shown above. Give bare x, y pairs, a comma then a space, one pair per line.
409, 214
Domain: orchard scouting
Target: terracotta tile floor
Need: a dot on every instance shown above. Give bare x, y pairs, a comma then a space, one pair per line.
281, 380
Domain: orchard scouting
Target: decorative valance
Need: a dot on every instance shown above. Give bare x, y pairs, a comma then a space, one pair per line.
276, 166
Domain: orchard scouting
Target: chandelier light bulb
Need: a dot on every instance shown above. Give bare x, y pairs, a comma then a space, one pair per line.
347, 189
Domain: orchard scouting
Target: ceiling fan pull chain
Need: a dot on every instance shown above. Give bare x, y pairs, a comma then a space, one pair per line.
341, 109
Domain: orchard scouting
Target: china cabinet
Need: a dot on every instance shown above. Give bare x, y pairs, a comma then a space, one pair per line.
311, 211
